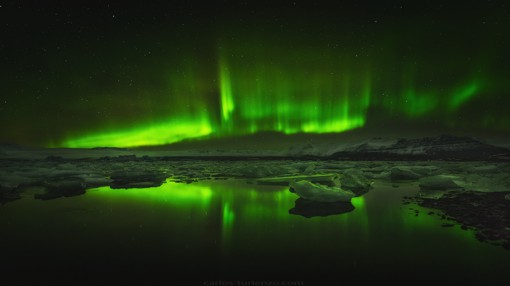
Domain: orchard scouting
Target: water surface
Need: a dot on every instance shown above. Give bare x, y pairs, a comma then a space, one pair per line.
231, 230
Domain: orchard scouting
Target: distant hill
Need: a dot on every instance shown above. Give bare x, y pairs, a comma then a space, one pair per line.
271, 145
444, 147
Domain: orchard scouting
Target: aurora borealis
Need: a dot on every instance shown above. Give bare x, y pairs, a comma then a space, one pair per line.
103, 73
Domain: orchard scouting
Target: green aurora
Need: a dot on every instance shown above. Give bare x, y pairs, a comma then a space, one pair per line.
140, 76
279, 97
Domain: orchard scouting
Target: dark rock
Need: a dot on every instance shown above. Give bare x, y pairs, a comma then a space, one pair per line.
137, 179
55, 159
310, 209
448, 225
125, 158
487, 213
62, 187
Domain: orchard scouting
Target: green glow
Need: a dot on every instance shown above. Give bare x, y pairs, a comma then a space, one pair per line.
228, 216
169, 192
268, 204
266, 207
238, 74
464, 94
418, 104
265, 91
270, 97
184, 221
269, 89
227, 102
415, 102
358, 202
157, 134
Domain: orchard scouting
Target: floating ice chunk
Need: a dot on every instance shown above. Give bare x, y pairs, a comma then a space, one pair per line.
440, 182
323, 179
320, 193
355, 181
137, 179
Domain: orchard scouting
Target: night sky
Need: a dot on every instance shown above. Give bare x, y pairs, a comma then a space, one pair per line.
112, 73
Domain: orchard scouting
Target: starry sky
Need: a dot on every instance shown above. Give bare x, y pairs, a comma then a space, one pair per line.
112, 73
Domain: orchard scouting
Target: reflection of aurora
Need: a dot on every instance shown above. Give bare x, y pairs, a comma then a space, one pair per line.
232, 211
169, 192
204, 197
235, 203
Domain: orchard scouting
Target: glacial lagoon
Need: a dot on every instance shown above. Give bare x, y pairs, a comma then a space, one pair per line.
230, 230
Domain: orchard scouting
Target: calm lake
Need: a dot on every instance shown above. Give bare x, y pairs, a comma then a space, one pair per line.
219, 232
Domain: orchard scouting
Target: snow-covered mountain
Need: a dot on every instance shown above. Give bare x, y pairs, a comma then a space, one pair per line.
444, 147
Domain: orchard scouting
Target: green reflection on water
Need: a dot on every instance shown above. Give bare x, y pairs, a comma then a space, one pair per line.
169, 192
379, 230
228, 216
220, 223
237, 206
358, 202
237, 202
